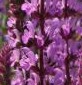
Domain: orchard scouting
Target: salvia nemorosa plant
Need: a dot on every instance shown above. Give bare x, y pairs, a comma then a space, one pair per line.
44, 43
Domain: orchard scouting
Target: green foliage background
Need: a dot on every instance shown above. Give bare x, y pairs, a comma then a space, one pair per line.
3, 19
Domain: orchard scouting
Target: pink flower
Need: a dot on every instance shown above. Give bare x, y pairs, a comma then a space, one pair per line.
29, 7
18, 78
15, 57
28, 33
11, 21
28, 58
75, 4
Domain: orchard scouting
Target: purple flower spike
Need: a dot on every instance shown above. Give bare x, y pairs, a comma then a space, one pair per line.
45, 37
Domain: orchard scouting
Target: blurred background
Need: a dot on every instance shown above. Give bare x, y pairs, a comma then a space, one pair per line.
3, 19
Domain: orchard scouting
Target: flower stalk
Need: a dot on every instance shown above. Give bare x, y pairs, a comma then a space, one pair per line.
42, 13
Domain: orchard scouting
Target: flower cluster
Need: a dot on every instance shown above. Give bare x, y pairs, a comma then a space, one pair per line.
46, 41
